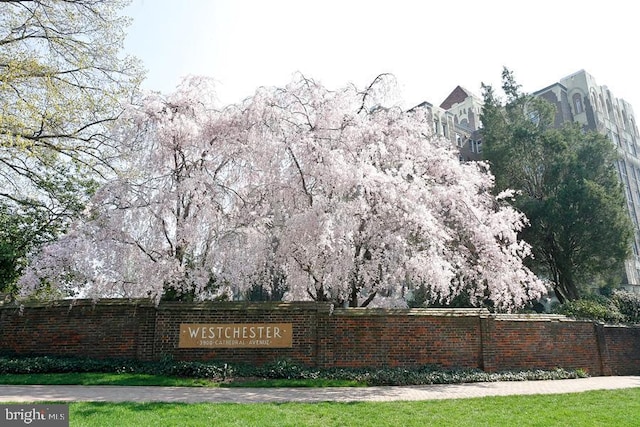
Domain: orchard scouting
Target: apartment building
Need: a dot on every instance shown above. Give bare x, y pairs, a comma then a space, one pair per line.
458, 119
578, 98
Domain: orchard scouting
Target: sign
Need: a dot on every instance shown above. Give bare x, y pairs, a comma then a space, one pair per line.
236, 335
47, 415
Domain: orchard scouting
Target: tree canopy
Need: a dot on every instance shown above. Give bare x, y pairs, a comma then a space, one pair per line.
334, 194
566, 184
62, 81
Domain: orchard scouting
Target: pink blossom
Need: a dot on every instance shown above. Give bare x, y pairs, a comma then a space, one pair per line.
350, 201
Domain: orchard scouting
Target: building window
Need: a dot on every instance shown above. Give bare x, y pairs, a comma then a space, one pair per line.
631, 147
458, 140
625, 121
534, 116
476, 146
577, 103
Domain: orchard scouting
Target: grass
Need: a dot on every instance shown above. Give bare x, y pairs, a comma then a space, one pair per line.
126, 379
593, 408
103, 379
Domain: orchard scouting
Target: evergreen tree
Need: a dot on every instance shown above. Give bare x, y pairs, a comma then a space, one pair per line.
566, 184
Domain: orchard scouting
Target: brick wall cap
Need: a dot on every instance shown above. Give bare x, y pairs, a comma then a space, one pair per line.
536, 318
134, 302
620, 325
248, 306
438, 312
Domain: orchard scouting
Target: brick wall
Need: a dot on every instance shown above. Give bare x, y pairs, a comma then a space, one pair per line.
111, 329
304, 317
376, 337
544, 342
324, 337
621, 348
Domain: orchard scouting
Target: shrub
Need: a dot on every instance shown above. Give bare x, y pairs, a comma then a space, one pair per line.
281, 369
628, 304
593, 307
285, 369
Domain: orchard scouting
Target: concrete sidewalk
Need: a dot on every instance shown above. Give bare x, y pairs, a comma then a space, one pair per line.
35, 393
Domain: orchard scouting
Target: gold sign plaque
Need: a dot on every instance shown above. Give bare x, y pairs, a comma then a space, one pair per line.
235, 335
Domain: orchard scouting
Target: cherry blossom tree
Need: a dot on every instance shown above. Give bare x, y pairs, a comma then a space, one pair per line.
152, 231
341, 197
366, 200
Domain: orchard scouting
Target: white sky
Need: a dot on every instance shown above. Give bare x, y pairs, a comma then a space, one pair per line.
430, 47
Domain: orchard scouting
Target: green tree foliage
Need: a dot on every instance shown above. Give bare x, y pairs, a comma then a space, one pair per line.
62, 81
566, 184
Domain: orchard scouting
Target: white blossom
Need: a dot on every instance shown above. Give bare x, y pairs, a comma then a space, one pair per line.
350, 203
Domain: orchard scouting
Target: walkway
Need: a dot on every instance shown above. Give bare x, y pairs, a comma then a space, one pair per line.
36, 393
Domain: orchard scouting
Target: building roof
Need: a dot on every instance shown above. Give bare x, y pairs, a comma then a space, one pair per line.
458, 95
544, 89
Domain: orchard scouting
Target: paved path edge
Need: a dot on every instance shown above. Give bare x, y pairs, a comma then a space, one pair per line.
64, 393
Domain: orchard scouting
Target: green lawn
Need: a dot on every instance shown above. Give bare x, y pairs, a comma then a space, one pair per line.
594, 408
103, 379
159, 380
